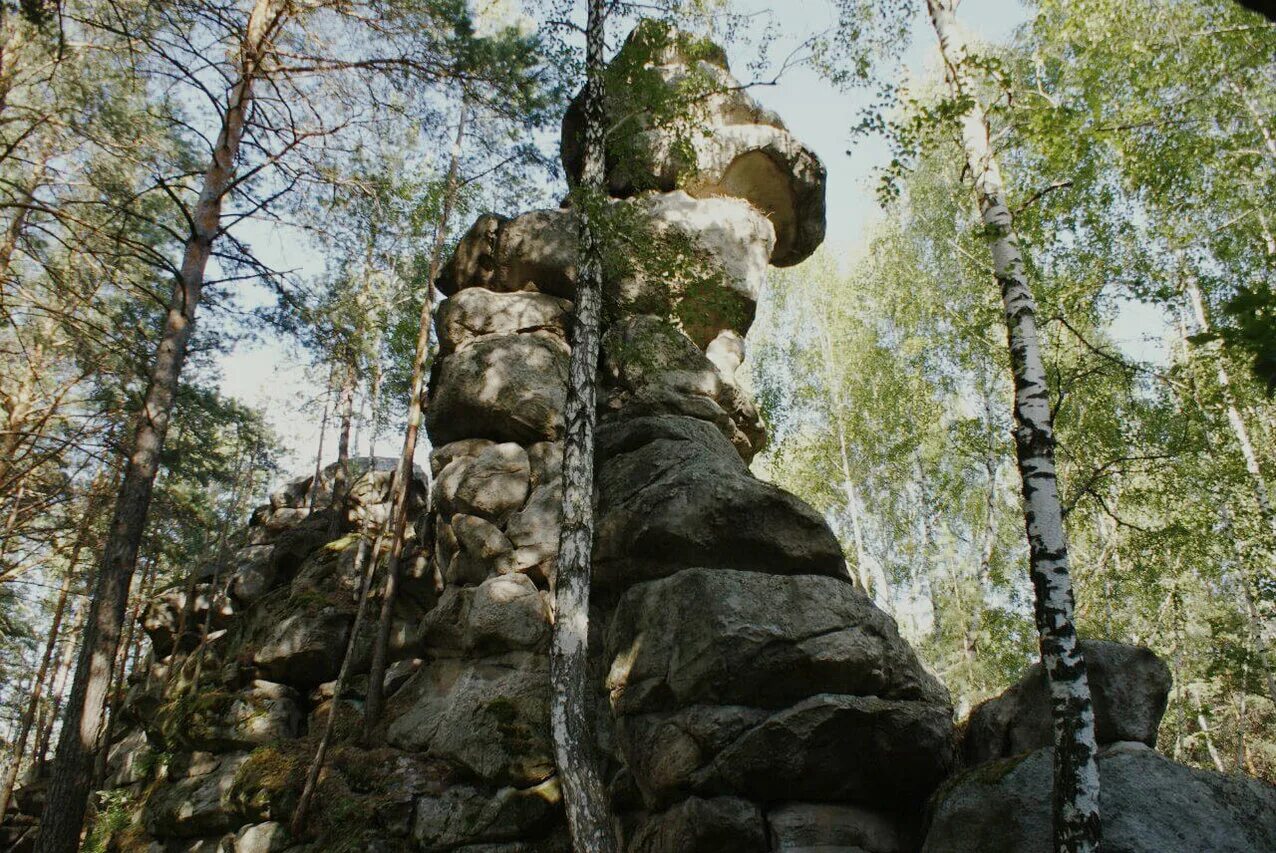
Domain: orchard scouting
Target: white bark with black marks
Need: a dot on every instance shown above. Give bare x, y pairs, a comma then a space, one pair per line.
1076, 771
571, 708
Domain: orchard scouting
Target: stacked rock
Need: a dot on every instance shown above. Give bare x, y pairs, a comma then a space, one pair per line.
755, 698
216, 724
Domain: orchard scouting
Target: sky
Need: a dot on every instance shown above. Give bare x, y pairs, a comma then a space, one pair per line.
273, 376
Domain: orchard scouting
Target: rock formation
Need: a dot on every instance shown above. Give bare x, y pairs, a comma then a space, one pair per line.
750, 696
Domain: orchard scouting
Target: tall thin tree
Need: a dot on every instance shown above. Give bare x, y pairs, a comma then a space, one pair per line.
571, 709
1076, 770
63, 816
403, 470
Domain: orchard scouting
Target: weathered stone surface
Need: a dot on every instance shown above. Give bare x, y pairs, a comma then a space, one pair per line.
878, 752
815, 827
503, 613
262, 713
665, 752
473, 264
269, 837
534, 531
463, 815
1130, 687
725, 637
255, 573
651, 368
163, 615
299, 647
538, 251
711, 267
1148, 804
200, 804
441, 457
674, 494
726, 351
546, 461
476, 311
501, 387
740, 150
884, 753
482, 550
129, 760
489, 717
695, 825
491, 485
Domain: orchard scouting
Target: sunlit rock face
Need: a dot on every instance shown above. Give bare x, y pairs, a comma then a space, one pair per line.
749, 696
689, 124
740, 672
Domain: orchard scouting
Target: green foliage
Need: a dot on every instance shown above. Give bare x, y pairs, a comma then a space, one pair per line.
1132, 141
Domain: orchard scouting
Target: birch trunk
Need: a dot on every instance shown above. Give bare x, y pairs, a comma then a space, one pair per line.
63, 817
403, 471
571, 709
1076, 772
1240, 431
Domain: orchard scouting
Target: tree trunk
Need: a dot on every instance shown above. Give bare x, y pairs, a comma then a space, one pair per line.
59, 610
1240, 431
341, 476
403, 471
323, 429
1076, 772
572, 698
63, 816
65, 661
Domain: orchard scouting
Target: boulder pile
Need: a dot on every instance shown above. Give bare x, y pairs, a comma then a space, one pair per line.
750, 697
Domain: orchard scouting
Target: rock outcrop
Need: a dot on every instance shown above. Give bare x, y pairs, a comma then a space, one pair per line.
749, 696
1148, 804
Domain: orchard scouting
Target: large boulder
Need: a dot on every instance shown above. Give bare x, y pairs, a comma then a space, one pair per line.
722, 637
1148, 804
488, 717
299, 643
464, 815
476, 312
812, 827
201, 803
501, 387
652, 368
672, 493
1130, 687
490, 485
696, 825
664, 81
503, 613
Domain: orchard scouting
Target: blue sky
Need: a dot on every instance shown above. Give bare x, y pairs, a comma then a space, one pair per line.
273, 376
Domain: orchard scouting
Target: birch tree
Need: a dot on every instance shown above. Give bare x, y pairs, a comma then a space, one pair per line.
1076, 772
572, 697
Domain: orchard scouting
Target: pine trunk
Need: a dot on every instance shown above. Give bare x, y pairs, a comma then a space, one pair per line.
63, 816
1076, 772
572, 700
33, 703
403, 471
